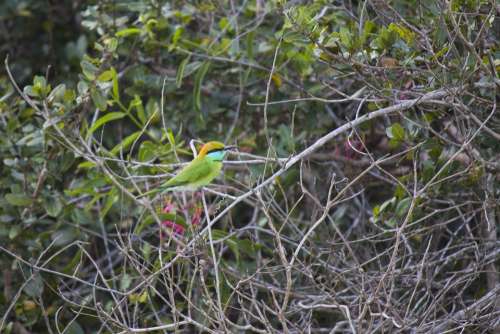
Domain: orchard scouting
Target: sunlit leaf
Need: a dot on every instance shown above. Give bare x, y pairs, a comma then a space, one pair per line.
180, 72
128, 32
198, 80
106, 119
106, 76
125, 143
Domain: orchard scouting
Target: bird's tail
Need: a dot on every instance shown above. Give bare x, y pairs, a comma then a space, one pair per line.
161, 189
147, 193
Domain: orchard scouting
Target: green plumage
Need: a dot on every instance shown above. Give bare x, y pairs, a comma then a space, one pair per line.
198, 173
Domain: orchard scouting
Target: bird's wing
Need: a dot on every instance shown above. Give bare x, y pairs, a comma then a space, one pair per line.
195, 171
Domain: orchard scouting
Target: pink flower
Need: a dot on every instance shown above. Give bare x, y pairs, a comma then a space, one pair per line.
169, 207
177, 228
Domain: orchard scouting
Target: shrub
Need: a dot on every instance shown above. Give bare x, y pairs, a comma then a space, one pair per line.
363, 197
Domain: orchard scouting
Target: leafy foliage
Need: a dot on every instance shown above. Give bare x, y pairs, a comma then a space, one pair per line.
364, 196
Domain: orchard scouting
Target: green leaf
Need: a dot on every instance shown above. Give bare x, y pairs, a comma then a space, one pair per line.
385, 39
345, 37
39, 81
180, 72
112, 44
30, 91
138, 298
82, 217
69, 96
248, 246
89, 69
177, 34
116, 92
111, 198
147, 151
249, 44
40, 87
223, 23
125, 144
125, 282
369, 27
105, 119
428, 170
171, 138
403, 206
18, 199
434, 148
386, 204
139, 107
218, 234
57, 93
53, 206
399, 192
82, 87
146, 251
71, 265
14, 232
64, 236
86, 164
105, 76
65, 161
128, 32
143, 297
99, 99
404, 33
191, 68
74, 328
34, 287
198, 80
391, 222
396, 132
233, 244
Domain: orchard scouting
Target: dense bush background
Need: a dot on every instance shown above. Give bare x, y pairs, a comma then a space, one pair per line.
363, 198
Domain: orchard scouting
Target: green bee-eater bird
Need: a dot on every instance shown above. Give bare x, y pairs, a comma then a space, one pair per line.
199, 172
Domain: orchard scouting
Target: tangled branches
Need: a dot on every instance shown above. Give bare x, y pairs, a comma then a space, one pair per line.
373, 208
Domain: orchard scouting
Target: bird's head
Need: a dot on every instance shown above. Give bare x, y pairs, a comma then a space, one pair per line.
214, 150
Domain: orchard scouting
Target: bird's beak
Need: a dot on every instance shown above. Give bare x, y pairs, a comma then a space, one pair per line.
230, 148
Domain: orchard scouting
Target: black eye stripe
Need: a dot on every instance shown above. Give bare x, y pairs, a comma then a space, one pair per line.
216, 150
